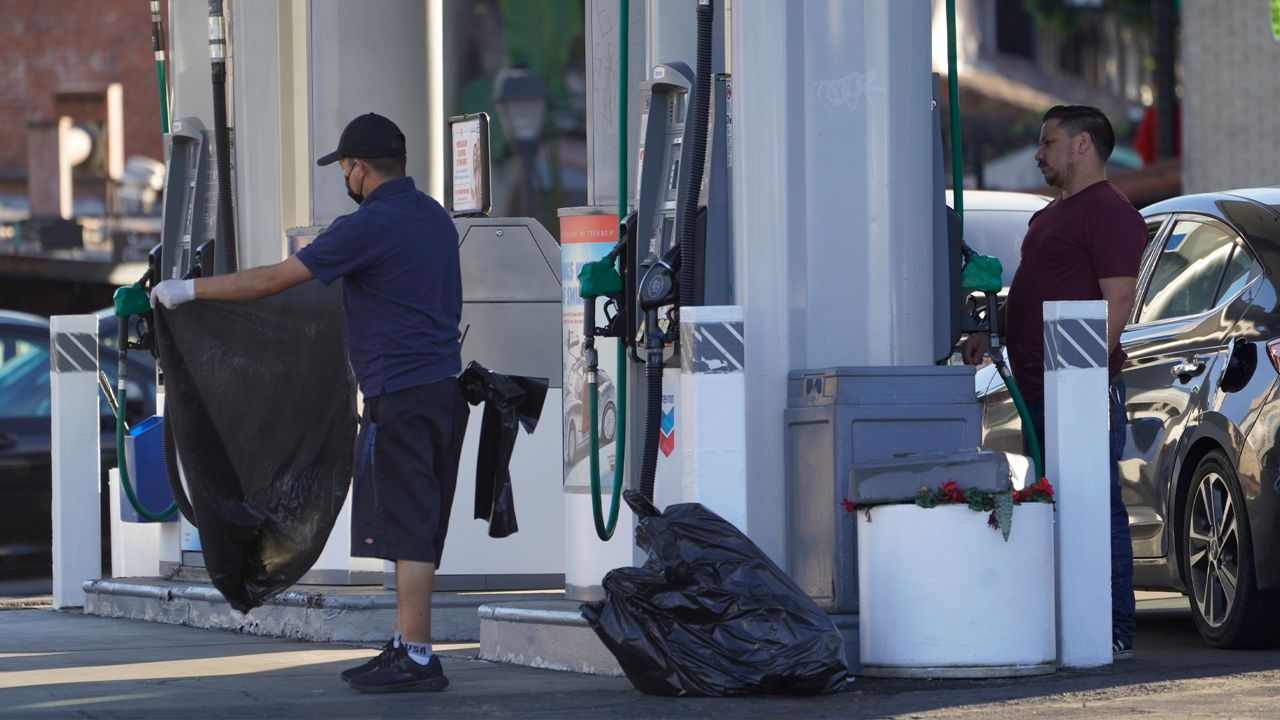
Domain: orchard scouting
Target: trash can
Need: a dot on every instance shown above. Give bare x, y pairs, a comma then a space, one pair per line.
144, 458
839, 417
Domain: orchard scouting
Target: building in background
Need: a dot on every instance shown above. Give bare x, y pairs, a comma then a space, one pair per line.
1017, 58
51, 48
1231, 52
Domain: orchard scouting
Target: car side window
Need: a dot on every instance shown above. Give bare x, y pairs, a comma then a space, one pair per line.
24, 378
1187, 271
1240, 270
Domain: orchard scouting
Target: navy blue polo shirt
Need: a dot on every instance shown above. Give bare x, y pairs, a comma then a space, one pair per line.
402, 288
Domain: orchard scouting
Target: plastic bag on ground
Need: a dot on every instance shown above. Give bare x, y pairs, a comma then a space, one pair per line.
261, 401
710, 614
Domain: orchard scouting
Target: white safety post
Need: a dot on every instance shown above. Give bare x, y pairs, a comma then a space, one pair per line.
76, 456
1077, 464
713, 410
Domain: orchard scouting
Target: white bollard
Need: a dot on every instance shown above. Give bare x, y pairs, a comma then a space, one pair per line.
76, 455
713, 410
1078, 465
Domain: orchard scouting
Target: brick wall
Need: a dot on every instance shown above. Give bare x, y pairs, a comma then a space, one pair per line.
1231, 79
46, 45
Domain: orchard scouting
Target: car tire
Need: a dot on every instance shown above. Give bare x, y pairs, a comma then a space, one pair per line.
608, 423
570, 444
1217, 562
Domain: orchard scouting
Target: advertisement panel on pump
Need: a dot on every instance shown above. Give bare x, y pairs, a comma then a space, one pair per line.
585, 239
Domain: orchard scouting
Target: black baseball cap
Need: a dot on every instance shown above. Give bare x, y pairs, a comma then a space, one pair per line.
368, 136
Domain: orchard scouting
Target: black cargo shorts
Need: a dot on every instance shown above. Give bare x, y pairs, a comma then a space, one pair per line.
406, 471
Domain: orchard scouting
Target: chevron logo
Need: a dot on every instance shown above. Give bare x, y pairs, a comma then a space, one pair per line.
667, 436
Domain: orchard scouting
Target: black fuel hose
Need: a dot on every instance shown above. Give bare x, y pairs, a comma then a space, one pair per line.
172, 475
683, 263
226, 260
688, 203
653, 405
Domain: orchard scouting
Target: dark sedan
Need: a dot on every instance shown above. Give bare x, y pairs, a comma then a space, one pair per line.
1201, 469
25, 427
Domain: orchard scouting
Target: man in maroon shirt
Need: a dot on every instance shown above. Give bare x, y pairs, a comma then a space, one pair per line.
1085, 245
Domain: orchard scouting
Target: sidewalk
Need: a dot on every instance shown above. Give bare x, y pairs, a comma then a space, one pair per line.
55, 664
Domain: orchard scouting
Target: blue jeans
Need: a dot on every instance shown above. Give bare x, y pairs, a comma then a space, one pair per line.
1122, 604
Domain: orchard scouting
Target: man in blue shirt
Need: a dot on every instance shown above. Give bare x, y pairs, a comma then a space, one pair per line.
402, 292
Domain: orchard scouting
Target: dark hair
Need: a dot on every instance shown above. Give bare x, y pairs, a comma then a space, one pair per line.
391, 167
1083, 118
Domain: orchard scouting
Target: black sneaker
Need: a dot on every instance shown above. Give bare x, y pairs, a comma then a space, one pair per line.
1121, 648
371, 663
400, 673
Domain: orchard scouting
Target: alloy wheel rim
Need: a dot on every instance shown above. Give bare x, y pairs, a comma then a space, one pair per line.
1213, 549
610, 418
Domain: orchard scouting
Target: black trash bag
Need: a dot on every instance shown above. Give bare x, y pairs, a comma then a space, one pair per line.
710, 614
510, 402
261, 401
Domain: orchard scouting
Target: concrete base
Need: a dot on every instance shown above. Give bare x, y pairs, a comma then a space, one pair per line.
548, 634
552, 634
316, 613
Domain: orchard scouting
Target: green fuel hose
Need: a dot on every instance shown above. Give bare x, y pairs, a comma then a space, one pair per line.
120, 404
157, 47
605, 528
957, 191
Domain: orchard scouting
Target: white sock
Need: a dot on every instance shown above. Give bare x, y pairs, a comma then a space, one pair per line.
419, 652
395, 642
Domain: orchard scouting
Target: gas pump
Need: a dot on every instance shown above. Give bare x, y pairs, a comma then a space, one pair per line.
189, 215
662, 254
190, 226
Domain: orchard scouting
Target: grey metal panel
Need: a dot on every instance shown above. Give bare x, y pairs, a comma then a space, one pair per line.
74, 352
190, 197
1075, 343
511, 296
928, 385
514, 338
507, 259
840, 417
713, 347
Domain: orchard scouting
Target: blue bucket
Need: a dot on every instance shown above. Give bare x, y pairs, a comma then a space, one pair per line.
144, 457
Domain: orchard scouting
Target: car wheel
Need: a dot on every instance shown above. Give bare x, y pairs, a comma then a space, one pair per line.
1217, 562
608, 423
570, 444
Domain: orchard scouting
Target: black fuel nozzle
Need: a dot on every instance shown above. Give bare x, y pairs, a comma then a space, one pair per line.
659, 287
202, 259
153, 274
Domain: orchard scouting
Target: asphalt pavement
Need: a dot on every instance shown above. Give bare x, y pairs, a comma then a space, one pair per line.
65, 664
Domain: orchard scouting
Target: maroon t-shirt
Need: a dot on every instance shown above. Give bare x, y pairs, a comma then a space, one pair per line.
1069, 245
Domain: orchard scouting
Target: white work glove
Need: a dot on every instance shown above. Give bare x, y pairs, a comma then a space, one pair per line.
172, 293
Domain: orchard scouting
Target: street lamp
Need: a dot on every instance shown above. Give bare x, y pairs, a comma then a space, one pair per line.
521, 97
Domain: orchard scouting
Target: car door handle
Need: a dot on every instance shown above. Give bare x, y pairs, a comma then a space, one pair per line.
1188, 369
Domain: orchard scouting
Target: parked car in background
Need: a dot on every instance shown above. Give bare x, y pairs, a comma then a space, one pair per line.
994, 224
25, 433
1201, 468
577, 417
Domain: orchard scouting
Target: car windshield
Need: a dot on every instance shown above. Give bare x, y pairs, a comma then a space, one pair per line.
998, 233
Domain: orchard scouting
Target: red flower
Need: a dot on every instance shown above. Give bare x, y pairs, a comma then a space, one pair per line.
1042, 485
952, 490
